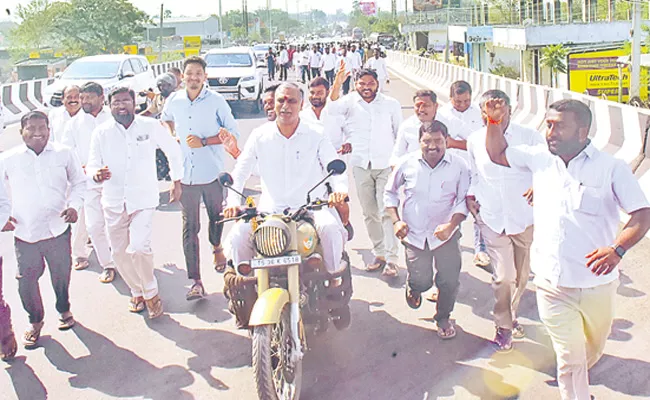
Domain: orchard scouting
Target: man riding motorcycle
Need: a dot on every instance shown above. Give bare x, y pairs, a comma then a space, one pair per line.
291, 157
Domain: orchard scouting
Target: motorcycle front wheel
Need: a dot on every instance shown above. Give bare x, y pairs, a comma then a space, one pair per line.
276, 377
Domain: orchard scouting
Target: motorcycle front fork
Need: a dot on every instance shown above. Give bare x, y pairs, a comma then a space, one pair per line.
293, 275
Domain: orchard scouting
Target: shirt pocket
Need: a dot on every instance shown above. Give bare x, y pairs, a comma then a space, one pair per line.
588, 199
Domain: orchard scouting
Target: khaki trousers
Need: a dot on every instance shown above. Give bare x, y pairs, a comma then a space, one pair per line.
371, 184
510, 255
579, 322
130, 237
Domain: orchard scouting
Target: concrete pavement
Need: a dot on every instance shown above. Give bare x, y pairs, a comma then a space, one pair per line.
389, 351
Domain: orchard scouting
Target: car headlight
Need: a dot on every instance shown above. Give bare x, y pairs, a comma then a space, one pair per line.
248, 79
272, 238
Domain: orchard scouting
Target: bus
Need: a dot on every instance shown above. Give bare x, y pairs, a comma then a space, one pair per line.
357, 34
383, 39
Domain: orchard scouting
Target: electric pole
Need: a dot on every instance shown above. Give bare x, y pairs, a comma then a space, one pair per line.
447, 38
268, 10
245, 15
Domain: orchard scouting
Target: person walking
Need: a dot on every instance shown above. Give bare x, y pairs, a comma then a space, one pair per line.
202, 144
315, 62
270, 64
435, 185
576, 250
425, 107
496, 198
8, 344
47, 186
372, 120
60, 116
329, 64
285, 63
378, 64
123, 160
77, 136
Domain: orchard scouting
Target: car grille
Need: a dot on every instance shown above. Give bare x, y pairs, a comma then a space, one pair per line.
215, 82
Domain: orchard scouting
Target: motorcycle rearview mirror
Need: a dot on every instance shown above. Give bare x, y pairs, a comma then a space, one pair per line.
336, 167
225, 179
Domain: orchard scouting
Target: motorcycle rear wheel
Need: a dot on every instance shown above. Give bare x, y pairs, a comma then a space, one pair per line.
276, 378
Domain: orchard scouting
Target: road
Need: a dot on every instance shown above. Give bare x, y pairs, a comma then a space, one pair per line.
389, 352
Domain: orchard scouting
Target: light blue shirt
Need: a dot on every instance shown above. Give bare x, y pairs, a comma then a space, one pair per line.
203, 118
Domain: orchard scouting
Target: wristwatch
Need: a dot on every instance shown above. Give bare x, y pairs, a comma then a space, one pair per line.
204, 141
620, 251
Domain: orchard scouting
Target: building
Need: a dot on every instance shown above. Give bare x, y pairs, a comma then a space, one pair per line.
207, 27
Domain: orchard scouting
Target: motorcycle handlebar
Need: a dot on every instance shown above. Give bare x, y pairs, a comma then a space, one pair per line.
251, 212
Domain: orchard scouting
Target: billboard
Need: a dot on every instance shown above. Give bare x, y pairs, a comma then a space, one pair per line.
368, 8
596, 73
426, 5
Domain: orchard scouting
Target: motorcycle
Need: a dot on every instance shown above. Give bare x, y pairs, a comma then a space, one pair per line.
294, 289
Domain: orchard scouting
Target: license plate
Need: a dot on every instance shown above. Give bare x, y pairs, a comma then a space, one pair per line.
229, 96
275, 262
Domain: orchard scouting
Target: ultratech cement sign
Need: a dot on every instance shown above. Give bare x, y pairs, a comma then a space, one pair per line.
596, 73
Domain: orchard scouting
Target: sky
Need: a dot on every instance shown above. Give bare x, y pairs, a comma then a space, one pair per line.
204, 7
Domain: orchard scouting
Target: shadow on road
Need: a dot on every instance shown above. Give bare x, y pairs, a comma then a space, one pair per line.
116, 371
25, 382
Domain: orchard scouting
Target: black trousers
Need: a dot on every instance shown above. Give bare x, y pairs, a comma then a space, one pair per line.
329, 75
305, 72
447, 259
31, 258
346, 85
212, 196
315, 72
283, 71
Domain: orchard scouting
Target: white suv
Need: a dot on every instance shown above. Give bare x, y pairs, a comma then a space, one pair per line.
234, 73
110, 71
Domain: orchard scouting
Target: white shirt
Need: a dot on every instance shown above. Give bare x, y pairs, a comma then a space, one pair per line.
460, 124
297, 58
305, 56
288, 168
407, 140
371, 128
78, 132
314, 59
42, 187
356, 59
329, 62
330, 123
58, 118
130, 155
576, 210
379, 66
284, 57
347, 62
431, 195
499, 190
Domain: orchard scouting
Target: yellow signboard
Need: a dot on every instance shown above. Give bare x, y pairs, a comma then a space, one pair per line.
153, 58
596, 73
34, 54
191, 52
148, 50
192, 42
58, 54
131, 49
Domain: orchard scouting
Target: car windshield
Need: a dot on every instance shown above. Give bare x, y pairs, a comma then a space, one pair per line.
261, 47
91, 70
228, 60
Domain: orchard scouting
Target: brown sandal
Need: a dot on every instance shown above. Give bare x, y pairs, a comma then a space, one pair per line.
154, 307
447, 332
136, 304
413, 298
390, 271
31, 336
376, 265
220, 260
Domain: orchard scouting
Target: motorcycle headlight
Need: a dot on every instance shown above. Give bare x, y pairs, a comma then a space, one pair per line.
272, 238
248, 79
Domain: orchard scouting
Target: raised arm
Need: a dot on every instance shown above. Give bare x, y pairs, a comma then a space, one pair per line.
495, 141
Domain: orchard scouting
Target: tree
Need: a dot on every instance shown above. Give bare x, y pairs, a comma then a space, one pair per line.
554, 58
81, 26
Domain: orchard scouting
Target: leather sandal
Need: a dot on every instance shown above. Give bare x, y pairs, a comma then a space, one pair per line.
81, 263
220, 260
376, 265
66, 321
154, 307
136, 304
31, 336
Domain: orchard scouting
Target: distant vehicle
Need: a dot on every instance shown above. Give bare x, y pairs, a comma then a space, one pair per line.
383, 39
235, 73
110, 71
260, 51
357, 33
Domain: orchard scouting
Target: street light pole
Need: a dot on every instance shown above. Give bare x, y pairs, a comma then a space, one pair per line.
635, 73
220, 25
447, 38
268, 10
160, 34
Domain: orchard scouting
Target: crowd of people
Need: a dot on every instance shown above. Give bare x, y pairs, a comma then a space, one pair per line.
547, 202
